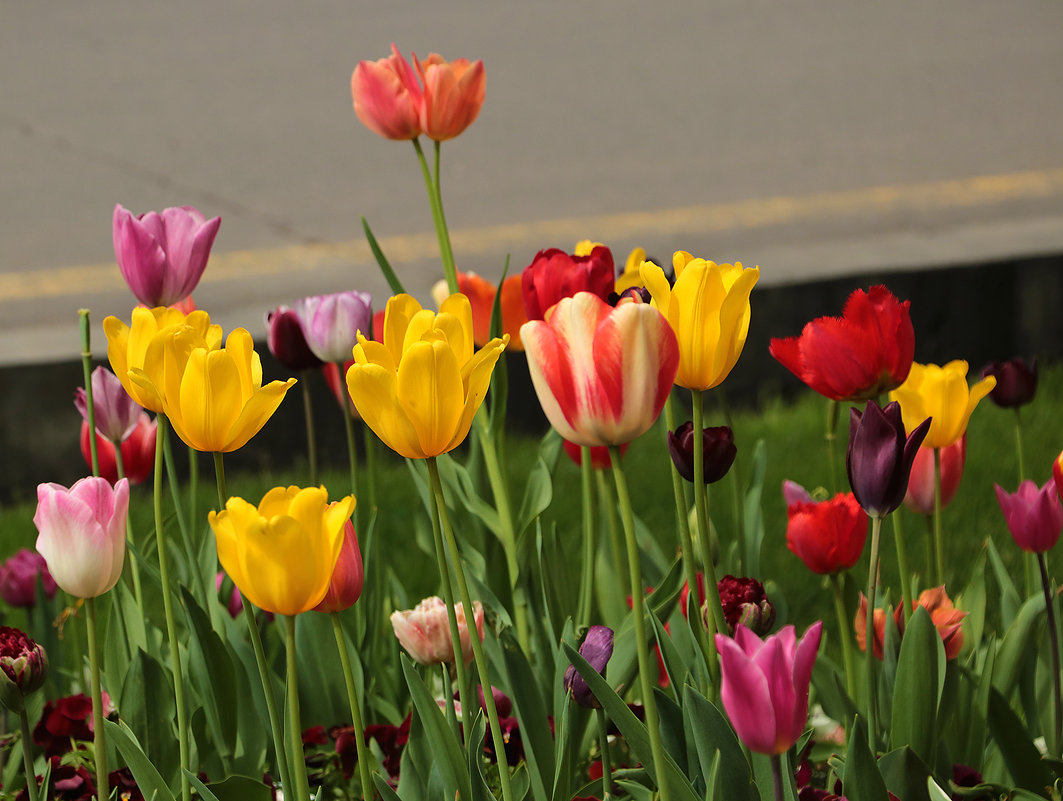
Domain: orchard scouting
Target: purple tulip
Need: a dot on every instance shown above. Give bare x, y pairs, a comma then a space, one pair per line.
286, 341
880, 458
596, 649
1034, 516
162, 256
18, 578
765, 685
1016, 381
718, 453
117, 414
331, 323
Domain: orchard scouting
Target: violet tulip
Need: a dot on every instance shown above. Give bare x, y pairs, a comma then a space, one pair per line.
1016, 381
331, 323
116, 414
718, 455
345, 587
286, 341
162, 255
18, 579
597, 648
83, 534
879, 459
1034, 516
765, 685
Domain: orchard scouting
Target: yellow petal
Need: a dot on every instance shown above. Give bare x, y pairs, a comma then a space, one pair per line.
256, 413
655, 281
399, 311
429, 390
476, 378
373, 390
209, 400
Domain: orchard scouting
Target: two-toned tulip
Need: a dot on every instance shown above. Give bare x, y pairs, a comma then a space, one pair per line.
331, 323
940, 393
602, 373
287, 342
425, 633
419, 389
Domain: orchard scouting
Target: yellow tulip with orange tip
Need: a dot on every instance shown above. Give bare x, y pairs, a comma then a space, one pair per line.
942, 394
281, 553
419, 388
708, 308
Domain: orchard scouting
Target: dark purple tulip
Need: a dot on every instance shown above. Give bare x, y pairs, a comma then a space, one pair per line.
287, 343
1016, 381
596, 649
880, 458
719, 454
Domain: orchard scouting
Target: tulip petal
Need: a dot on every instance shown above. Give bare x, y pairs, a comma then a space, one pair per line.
429, 390
746, 697
372, 388
256, 413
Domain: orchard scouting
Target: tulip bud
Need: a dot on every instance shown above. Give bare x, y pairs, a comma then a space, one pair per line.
286, 341
18, 579
1016, 381
424, 631
879, 459
920, 495
719, 451
744, 601
346, 585
597, 648
1034, 516
23, 668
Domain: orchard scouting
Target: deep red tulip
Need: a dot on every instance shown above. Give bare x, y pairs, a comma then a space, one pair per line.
138, 451
1034, 515
920, 495
345, 588
554, 274
23, 667
719, 451
1016, 381
827, 536
879, 459
600, 459
862, 354
286, 341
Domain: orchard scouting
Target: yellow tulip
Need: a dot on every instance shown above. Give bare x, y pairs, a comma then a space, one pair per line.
139, 345
708, 308
420, 388
281, 554
942, 394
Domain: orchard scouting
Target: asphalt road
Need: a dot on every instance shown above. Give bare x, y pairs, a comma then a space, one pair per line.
812, 137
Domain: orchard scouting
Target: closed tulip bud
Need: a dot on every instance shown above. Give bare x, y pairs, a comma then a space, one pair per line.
920, 495
162, 256
554, 274
115, 413
19, 576
827, 536
597, 648
745, 602
719, 451
424, 631
879, 459
23, 668
1034, 516
138, 451
82, 534
1016, 381
345, 587
285, 339
331, 323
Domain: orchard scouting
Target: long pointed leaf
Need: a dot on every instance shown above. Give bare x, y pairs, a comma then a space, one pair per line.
381, 259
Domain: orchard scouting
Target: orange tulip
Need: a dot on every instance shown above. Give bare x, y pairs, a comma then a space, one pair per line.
481, 294
453, 95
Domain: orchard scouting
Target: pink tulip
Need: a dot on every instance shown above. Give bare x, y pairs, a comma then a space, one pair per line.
345, 588
920, 496
424, 631
18, 579
1034, 516
162, 256
82, 534
116, 414
602, 373
765, 685
453, 95
331, 323
387, 97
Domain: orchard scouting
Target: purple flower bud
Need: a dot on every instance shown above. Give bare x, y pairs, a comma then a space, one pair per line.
879, 459
18, 578
331, 323
116, 413
596, 649
719, 451
1016, 381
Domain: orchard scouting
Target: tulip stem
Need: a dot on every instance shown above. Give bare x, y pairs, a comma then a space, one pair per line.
616, 544
448, 695
1057, 731
776, 776
295, 725
844, 634
902, 567
583, 611
1018, 445
830, 436
638, 610
869, 641
352, 451
477, 646
607, 768
99, 744
27, 757
370, 466
90, 406
939, 544
356, 714
134, 567
435, 200
167, 608
308, 420
275, 723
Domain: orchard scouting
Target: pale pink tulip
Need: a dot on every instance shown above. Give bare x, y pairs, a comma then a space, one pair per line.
424, 631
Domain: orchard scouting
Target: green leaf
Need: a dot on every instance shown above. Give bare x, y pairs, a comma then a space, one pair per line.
753, 514
531, 713
1017, 647
381, 260
717, 745
905, 774
233, 788
973, 601
917, 688
1023, 760
148, 779
862, 780
1010, 601
148, 709
538, 494
674, 667
214, 678
934, 792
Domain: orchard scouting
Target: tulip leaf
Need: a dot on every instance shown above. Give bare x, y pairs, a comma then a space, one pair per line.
530, 711
1022, 758
753, 519
973, 601
233, 788
762, 771
862, 780
1010, 601
674, 667
147, 777
538, 489
147, 704
1017, 646
905, 774
385, 267
934, 791
718, 749
385, 789
214, 678
917, 687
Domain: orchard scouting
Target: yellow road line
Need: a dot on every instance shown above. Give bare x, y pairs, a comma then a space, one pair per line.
980, 190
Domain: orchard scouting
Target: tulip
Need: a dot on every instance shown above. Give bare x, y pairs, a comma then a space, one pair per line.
345, 586
600, 459
23, 668
718, 454
481, 294
282, 553
420, 388
879, 459
331, 323
597, 648
765, 685
286, 341
424, 631
116, 413
947, 619
878, 635
162, 256
1016, 381
709, 310
745, 603
553, 275
940, 393
631, 276
602, 373
138, 451
920, 495
82, 534
858, 356
453, 94
1034, 516
827, 536
18, 579
1057, 473
387, 97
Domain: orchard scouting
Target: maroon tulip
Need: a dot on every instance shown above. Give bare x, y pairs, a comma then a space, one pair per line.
879, 459
554, 274
719, 451
1016, 381
23, 667
18, 578
1034, 516
744, 601
597, 648
287, 342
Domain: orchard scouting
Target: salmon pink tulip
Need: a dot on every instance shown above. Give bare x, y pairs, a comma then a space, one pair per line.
1034, 515
453, 95
387, 97
424, 631
947, 619
920, 495
554, 274
602, 373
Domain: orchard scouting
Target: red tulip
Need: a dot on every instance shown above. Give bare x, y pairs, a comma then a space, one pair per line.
138, 451
827, 536
862, 354
345, 588
920, 496
554, 274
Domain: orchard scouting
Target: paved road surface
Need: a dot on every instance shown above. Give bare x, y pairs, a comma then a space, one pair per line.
811, 137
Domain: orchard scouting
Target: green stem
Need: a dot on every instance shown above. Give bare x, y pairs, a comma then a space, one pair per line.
583, 610
370, 466
352, 452
276, 726
167, 608
1054, 639
715, 619
295, 726
616, 544
86, 369
193, 485
1018, 445
869, 641
356, 714
939, 543
446, 251
134, 567
638, 600
431, 184
477, 646
603, 739
902, 567
448, 694
308, 421
844, 634
830, 437
27, 757
776, 776
99, 744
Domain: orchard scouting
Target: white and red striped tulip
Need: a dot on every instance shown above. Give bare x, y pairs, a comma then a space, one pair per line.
602, 373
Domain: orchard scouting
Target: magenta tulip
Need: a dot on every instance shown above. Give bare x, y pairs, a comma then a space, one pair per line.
602, 373
162, 256
331, 323
18, 578
1034, 516
765, 685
